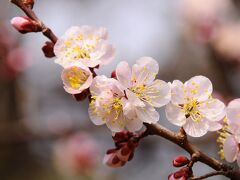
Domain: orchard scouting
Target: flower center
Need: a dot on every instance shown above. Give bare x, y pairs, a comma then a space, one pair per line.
139, 89
117, 106
81, 53
76, 77
191, 109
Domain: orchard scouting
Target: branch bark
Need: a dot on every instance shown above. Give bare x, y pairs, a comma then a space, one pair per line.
181, 140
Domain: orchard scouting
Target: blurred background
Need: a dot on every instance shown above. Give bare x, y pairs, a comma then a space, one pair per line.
46, 135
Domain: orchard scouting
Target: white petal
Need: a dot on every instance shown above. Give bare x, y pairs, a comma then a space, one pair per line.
109, 54
147, 114
114, 126
124, 74
178, 92
134, 100
214, 126
175, 115
94, 117
196, 129
134, 124
145, 70
233, 112
212, 109
230, 149
102, 32
159, 93
199, 87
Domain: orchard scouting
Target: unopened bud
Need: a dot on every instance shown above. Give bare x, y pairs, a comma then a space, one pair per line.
180, 161
183, 172
24, 24
171, 177
113, 74
28, 3
48, 49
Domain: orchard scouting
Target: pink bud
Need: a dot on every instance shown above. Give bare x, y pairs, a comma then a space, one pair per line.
48, 49
180, 161
24, 24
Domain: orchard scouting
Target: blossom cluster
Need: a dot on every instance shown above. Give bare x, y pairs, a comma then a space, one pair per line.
130, 97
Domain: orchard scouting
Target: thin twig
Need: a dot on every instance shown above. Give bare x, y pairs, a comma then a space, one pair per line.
30, 13
177, 138
215, 173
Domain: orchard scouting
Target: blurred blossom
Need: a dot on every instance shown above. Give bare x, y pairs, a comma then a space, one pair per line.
13, 59
226, 42
76, 154
18, 60
203, 17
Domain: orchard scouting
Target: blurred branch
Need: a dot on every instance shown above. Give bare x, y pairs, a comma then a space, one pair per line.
181, 140
30, 13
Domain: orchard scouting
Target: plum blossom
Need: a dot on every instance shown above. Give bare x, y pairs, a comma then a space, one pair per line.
84, 44
140, 80
107, 105
193, 108
143, 91
231, 144
76, 78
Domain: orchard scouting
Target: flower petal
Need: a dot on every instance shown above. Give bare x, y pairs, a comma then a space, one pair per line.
124, 74
175, 115
178, 92
134, 124
94, 117
159, 93
214, 126
230, 149
212, 109
199, 87
145, 70
196, 129
109, 54
233, 112
147, 114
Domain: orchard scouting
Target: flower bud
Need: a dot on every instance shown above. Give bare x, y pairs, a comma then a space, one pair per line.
113, 74
183, 172
48, 49
28, 3
180, 161
171, 177
24, 24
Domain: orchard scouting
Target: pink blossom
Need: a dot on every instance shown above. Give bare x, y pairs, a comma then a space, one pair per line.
193, 108
85, 44
76, 153
76, 78
231, 145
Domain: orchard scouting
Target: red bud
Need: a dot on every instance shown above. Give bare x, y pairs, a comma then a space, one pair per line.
180, 161
24, 24
48, 49
113, 75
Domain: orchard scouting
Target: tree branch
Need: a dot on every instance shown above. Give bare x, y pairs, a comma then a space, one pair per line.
30, 13
215, 173
181, 140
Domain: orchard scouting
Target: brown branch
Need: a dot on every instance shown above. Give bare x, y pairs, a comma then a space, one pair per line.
215, 173
30, 13
181, 140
